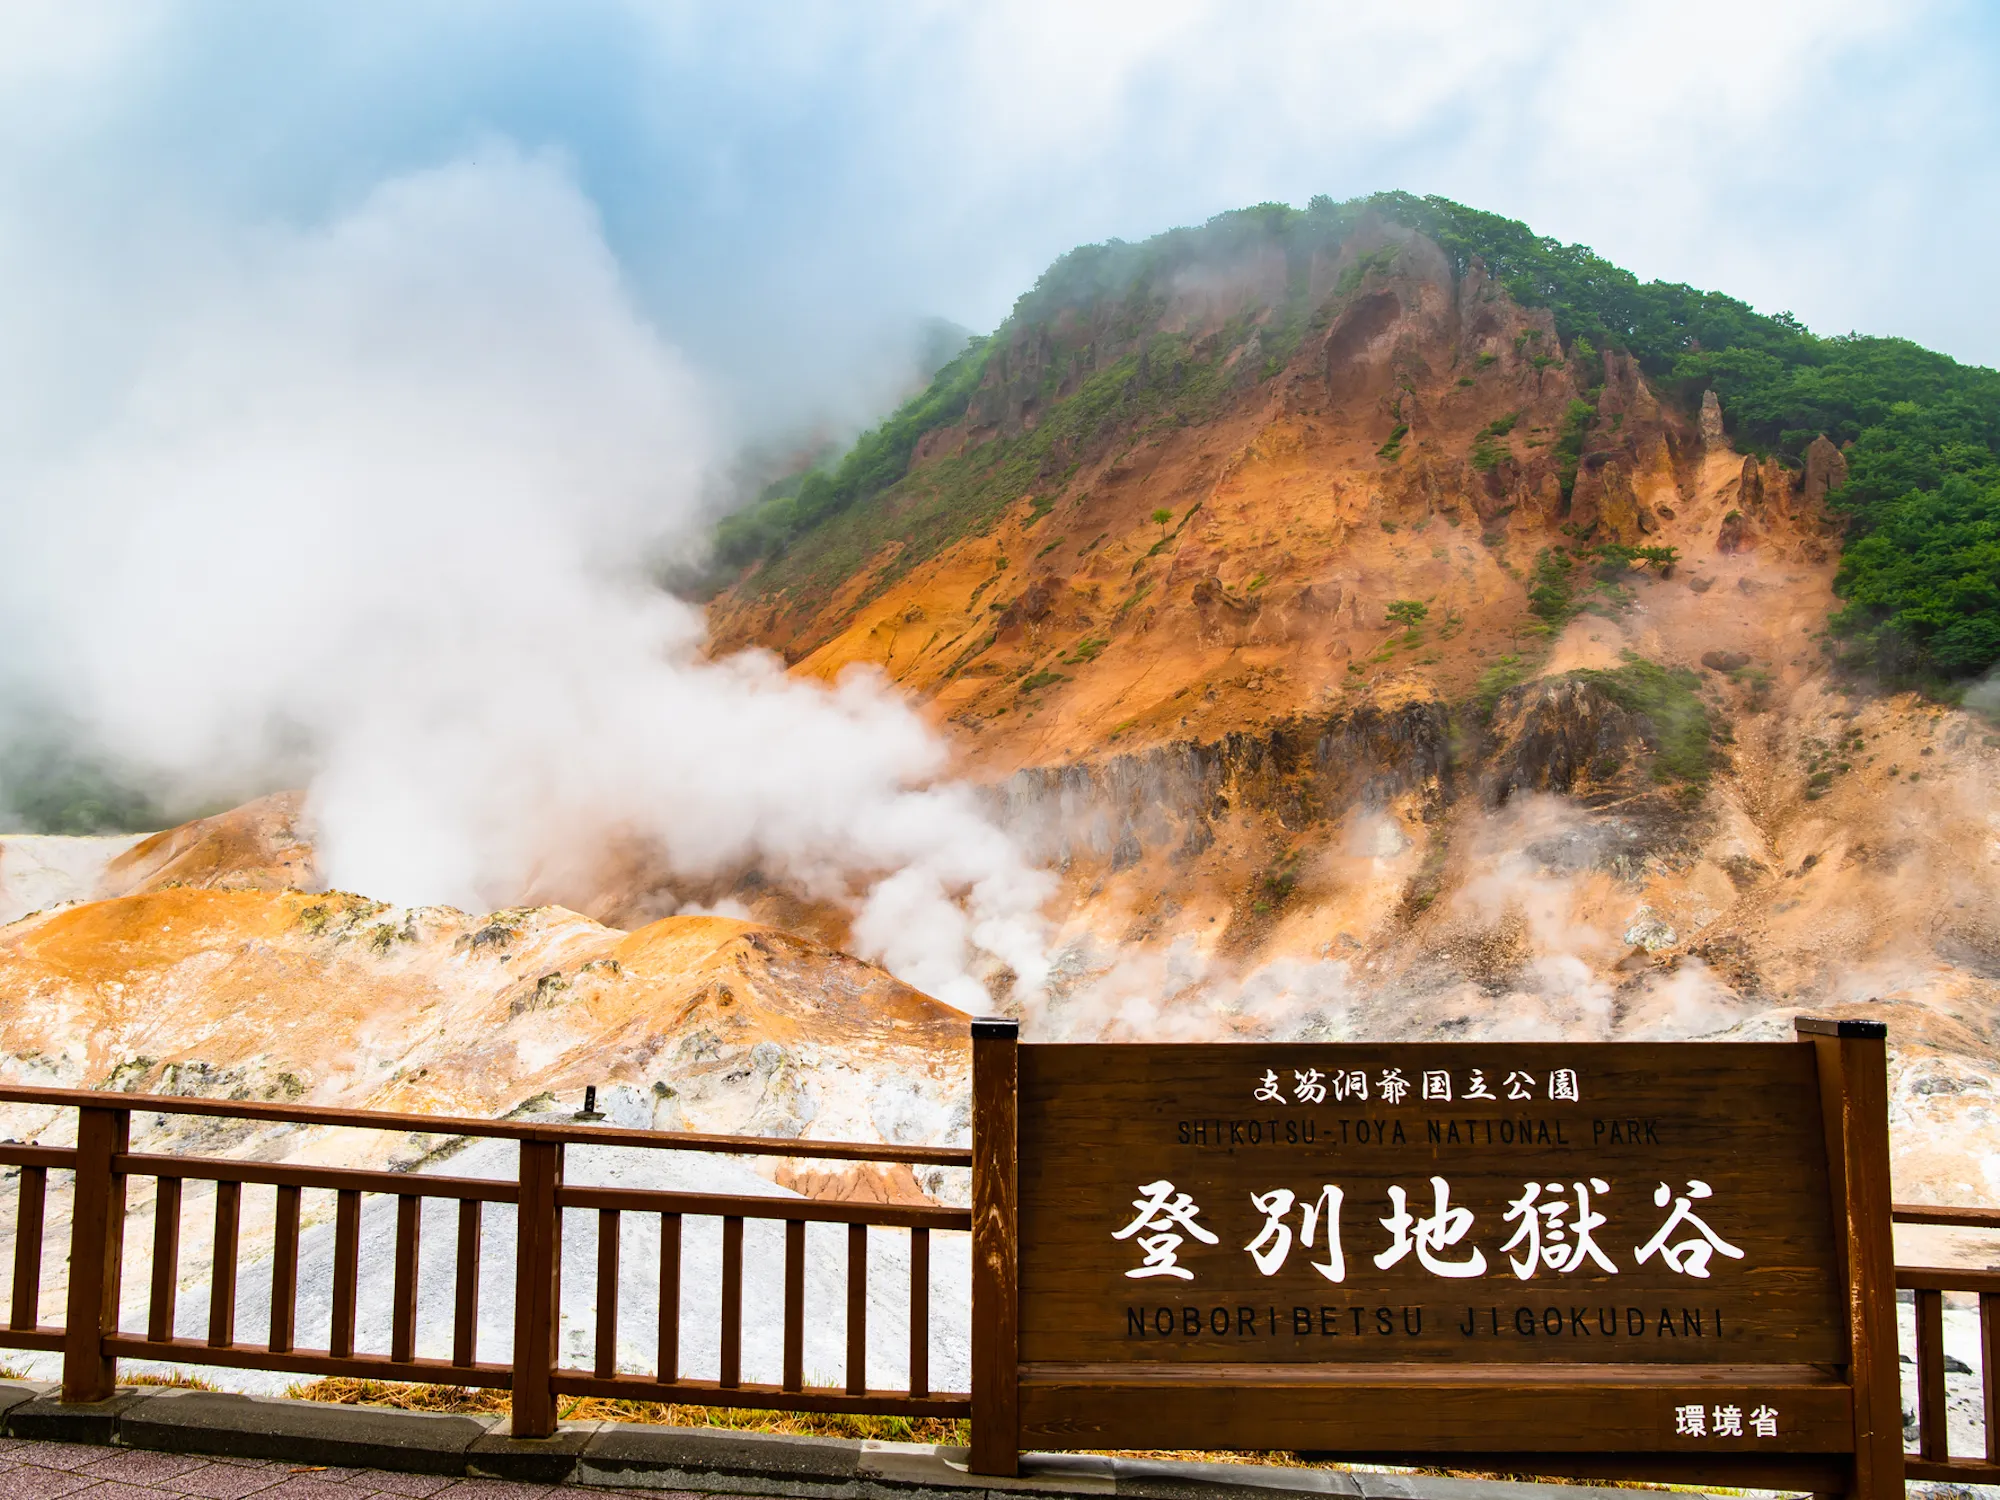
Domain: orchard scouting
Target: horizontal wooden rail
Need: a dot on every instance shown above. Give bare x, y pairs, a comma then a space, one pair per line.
13, 1155
760, 1206
42, 1338
759, 1397
340, 1179
1953, 1218
511, 1130
310, 1361
1946, 1279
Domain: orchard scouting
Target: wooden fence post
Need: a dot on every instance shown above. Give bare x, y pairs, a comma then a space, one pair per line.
537, 1288
1854, 1100
996, 1367
96, 1254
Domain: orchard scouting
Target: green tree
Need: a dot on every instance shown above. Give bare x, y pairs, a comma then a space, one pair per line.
1408, 613
1160, 519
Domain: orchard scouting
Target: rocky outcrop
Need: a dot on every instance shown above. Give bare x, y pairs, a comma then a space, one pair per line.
1558, 736
1299, 772
1712, 435
1825, 471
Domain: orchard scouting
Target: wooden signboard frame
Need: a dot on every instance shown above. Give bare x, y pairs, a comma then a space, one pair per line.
1796, 1327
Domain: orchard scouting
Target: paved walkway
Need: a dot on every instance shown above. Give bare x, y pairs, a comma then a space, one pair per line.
57, 1471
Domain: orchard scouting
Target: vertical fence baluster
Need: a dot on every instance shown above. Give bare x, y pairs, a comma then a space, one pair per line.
857, 1308
920, 1312
537, 1288
607, 1292
1933, 1441
996, 1369
30, 1215
222, 1278
465, 1317
96, 1254
285, 1271
732, 1301
670, 1298
403, 1313
166, 1261
795, 1304
1989, 1370
346, 1269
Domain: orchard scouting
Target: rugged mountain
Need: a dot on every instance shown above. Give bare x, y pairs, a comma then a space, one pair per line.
1377, 658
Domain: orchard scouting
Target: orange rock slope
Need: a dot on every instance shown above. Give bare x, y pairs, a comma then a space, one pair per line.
700, 1023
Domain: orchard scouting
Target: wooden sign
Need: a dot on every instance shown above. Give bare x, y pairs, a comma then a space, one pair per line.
1640, 1260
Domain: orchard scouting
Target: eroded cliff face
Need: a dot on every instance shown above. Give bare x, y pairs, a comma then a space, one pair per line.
1581, 797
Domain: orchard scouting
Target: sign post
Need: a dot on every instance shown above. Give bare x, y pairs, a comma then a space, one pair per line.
1631, 1260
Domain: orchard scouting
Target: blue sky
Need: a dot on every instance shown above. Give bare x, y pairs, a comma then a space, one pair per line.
786, 187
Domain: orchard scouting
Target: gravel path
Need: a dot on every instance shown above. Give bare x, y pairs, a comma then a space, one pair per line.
56, 1471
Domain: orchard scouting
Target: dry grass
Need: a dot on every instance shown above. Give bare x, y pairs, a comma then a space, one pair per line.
454, 1398
178, 1380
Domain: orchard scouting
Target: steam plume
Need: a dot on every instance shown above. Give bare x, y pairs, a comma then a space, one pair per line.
380, 500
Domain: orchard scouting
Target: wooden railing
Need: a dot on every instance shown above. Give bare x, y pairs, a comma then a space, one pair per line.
91, 1339
1932, 1458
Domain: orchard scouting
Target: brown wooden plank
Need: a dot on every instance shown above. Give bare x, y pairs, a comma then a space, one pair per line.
1958, 1471
512, 1130
709, 1393
920, 1312
607, 1291
269, 1174
996, 1413
732, 1301
795, 1305
96, 1254
13, 1154
465, 1313
669, 1363
1956, 1218
284, 1271
313, 1362
403, 1310
1851, 1059
222, 1265
1933, 1438
1445, 1409
754, 1206
30, 1215
44, 1338
537, 1288
1946, 1279
346, 1272
857, 1308
1989, 1371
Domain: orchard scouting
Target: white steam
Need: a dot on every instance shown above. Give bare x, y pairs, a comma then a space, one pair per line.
382, 496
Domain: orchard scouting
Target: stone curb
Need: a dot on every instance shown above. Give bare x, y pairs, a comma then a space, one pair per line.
706, 1459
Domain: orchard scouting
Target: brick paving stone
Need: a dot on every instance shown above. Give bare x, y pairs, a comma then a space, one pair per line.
311, 1487
494, 1489
142, 1466
116, 1489
409, 1486
20, 1482
31, 1470
65, 1456
220, 1481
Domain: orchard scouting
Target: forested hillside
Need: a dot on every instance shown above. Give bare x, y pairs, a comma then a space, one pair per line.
1920, 573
